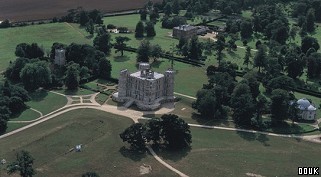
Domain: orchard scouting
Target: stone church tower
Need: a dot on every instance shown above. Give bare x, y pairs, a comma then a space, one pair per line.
60, 57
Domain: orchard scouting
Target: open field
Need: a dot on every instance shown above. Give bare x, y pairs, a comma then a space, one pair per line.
225, 153
45, 35
23, 10
97, 131
46, 102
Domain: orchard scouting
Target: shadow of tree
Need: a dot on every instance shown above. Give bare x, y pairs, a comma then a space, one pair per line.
121, 58
208, 121
156, 64
38, 95
173, 155
135, 155
263, 139
247, 136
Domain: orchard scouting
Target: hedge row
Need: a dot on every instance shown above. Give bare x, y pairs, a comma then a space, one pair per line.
164, 55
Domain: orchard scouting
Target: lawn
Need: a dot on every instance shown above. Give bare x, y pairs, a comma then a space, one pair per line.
103, 151
46, 102
14, 126
226, 153
45, 35
79, 91
27, 114
101, 98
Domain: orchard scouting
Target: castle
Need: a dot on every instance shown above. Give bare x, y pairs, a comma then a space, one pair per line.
145, 88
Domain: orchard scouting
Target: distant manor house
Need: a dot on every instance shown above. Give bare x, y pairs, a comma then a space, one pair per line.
145, 88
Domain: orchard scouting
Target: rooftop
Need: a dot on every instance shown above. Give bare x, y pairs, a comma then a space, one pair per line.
185, 27
138, 75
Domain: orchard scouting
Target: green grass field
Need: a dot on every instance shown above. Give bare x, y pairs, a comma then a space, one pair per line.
226, 153
26, 115
46, 102
14, 126
45, 35
98, 132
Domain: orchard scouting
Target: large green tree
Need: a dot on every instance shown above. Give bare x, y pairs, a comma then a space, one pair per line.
243, 104
279, 105
144, 51
134, 135
260, 59
310, 18
103, 43
23, 165
35, 75
175, 132
309, 42
104, 68
150, 30
72, 76
140, 29
120, 44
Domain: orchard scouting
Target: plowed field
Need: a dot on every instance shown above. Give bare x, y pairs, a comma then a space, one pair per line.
25, 10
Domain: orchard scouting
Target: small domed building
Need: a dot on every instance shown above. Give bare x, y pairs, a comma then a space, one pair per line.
307, 110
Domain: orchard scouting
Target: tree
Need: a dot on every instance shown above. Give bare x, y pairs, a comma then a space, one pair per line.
310, 18
72, 76
247, 57
150, 30
246, 29
120, 44
220, 45
309, 42
4, 115
175, 132
23, 165
176, 7
134, 135
279, 105
83, 18
153, 131
29, 51
90, 174
195, 49
35, 75
156, 52
13, 71
143, 14
143, 51
168, 9
260, 59
243, 104
294, 111
90, 27
104, 68
103, 43
140, 29
281, 82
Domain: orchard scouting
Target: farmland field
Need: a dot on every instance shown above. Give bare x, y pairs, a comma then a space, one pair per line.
24, 10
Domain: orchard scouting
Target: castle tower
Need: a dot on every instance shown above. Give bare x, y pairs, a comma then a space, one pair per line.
122, 83
169, 83
60, 57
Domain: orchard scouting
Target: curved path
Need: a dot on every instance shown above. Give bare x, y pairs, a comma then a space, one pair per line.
135, 116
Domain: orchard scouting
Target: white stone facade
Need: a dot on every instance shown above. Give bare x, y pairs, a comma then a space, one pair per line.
60, 57
145, 88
